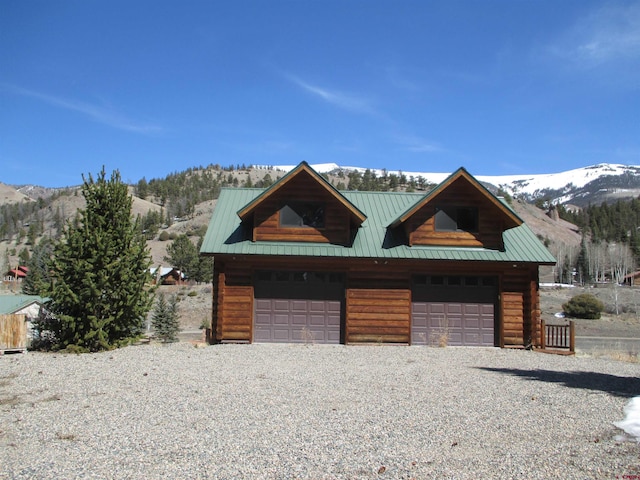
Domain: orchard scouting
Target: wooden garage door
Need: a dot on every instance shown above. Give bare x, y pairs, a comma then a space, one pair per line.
298, 307
453, 310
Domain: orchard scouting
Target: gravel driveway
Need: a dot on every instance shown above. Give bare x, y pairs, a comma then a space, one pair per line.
283, 411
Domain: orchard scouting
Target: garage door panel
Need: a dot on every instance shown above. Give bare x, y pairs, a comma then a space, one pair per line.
262, 304
316, 306
334, 321
333, 307
486, 310
472, 339
457, 306
472, 322
299, 306
262, 319
420, 321
463, 324
435, 308
419, 308
296, 306
260, 335
297, 321
281, 319
471, 309
317, 321
296, 335
281, 335
453, 308
279, 305
452, 322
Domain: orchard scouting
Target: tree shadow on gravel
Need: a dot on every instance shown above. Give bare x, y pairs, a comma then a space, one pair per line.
604, 382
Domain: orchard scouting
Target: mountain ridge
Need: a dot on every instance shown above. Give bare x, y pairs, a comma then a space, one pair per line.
603, 182
579, 186
63, 203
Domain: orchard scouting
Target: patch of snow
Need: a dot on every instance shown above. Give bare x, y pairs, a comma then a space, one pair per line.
514, 184
318, 167
631, 422
556, 285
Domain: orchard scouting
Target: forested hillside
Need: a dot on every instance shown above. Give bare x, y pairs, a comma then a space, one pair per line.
609, 222
181, 202
610, 247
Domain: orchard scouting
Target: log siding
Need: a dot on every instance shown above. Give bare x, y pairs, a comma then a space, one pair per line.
267, 225
421, 229
378, 316
377, 306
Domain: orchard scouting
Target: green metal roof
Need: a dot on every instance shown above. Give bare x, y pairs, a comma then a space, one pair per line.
227, 235
12, 303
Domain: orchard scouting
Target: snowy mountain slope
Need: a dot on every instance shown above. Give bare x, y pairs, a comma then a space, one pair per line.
579, 186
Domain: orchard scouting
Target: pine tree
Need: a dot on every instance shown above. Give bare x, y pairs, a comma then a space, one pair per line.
183, 255
100, 270
205, 266
38, 279
164, 319
582, 263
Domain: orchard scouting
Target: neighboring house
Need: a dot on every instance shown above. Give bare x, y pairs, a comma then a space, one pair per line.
17, 274
304, 262
13, 335
166, 276
633, 279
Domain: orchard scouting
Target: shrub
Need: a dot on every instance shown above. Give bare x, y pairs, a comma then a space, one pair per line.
584, 305
164, 236
77, 349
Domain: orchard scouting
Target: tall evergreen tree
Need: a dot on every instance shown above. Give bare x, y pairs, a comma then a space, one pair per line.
183, 255
38, 279
205, 266
164, 319
582, 263
100, 269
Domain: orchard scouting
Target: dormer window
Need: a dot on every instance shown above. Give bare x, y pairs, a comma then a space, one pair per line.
297, 215
457, 219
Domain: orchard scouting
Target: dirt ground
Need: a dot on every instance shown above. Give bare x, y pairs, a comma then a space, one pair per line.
194, 306
625, 324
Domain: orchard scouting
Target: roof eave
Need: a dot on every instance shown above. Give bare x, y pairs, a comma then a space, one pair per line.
461, 172
248, 209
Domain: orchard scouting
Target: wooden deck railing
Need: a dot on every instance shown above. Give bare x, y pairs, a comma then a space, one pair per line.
561, 337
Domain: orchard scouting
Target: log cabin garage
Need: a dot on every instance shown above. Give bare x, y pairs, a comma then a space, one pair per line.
301, 262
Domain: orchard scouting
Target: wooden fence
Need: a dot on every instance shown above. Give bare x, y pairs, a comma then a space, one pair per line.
13, 333
560, 337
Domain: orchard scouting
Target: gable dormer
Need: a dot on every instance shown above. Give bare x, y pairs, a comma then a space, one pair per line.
460, 212
302, 207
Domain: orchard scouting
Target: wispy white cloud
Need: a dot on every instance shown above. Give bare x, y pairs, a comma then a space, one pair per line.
607, 34
96, 113
415, 144
400, 79
352, 103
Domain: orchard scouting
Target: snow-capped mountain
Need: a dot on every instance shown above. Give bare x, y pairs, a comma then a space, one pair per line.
580, 186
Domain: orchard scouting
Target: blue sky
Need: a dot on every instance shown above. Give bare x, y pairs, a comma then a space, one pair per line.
154, 87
